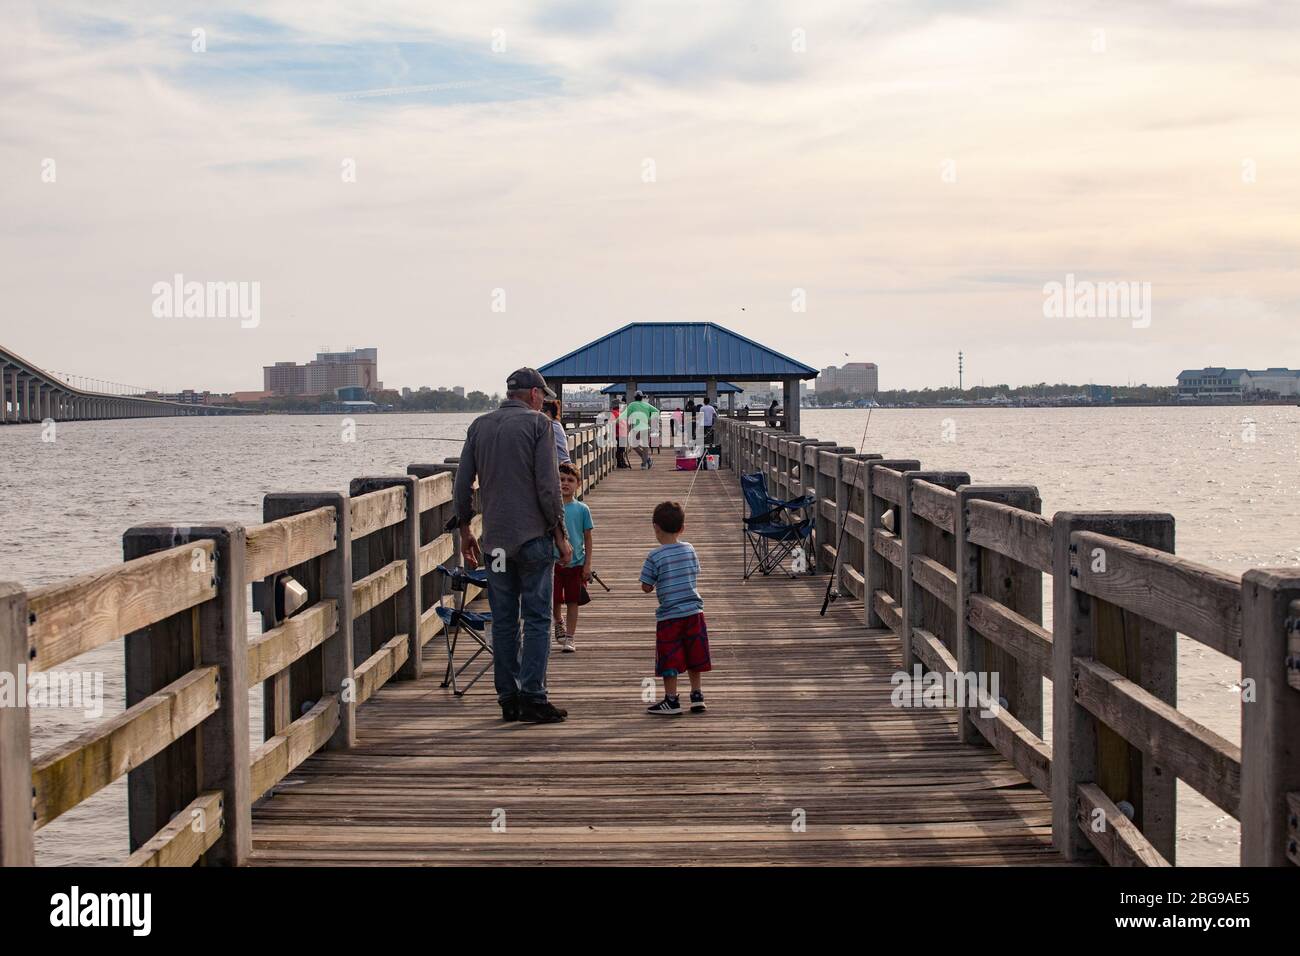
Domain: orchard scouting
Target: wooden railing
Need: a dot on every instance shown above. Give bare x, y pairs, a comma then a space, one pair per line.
367, 561
956, 569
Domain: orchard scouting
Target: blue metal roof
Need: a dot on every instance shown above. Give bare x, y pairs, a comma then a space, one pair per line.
663, 351
670, 388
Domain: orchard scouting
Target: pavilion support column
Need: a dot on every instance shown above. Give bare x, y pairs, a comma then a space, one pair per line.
791, 394
711, 391
4, 394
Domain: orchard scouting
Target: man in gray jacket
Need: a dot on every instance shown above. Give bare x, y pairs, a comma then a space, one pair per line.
511, 452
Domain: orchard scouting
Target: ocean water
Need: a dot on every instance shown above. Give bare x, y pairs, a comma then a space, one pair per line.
1228, 475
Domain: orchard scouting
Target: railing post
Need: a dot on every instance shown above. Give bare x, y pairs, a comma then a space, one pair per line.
16, 839
826, 484
879, 572
215, 756
1270, 723
329, 669
1011, 584
850, 468
1084, 750
810, 463
398, 542
432, 523
920, 607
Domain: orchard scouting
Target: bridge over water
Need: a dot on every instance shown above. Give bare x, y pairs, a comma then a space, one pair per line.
805, 755
31, 394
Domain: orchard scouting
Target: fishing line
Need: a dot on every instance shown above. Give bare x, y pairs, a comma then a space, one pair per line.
832, 592
412, 438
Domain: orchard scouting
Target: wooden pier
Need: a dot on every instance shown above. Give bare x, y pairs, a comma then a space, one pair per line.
803, 756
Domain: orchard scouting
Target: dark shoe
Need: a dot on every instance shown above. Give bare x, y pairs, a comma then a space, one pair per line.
669, 707
510, 709
541, 712
697, 702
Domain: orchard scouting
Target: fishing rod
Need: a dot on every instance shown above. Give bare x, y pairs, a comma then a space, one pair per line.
832, 592
596, 577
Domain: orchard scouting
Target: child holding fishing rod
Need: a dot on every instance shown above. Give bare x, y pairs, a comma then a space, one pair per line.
570, 588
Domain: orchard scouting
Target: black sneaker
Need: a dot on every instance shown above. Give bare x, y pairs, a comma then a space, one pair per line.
669, 706
541, 712
697, 702
510, 709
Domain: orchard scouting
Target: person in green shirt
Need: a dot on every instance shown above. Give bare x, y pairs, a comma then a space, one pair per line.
641, 418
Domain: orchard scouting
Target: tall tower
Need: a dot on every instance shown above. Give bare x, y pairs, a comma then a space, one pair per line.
960, 358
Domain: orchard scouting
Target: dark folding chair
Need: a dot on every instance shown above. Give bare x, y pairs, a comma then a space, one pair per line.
455, 620
774, 528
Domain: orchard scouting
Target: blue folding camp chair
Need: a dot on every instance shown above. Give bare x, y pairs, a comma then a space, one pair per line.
774, 528
456, 619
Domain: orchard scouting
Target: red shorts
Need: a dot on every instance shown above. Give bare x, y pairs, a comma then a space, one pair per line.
681, 644
569, 588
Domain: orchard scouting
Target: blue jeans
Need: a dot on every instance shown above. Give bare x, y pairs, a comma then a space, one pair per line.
523, 588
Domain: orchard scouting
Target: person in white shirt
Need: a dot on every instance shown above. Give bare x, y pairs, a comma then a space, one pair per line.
707, 415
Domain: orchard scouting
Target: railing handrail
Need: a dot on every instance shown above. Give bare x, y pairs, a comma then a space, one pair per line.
1249, 618
202, 575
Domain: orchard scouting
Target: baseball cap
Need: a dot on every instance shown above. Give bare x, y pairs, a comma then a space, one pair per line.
528, 378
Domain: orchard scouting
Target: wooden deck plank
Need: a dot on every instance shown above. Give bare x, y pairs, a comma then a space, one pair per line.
799, 722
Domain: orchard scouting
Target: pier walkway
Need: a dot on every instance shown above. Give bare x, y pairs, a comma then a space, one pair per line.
800, 729
802, 757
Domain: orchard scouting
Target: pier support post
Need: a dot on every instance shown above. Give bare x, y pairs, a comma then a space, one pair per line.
1014, 586
397, 542
215, 755
825, 471
881, 574
1270, 749
16, 837
432, 522
329, 668
809, 462
921, 609
791, 397
849, 471
1083, 749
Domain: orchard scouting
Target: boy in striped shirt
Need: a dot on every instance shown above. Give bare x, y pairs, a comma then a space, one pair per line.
681, 638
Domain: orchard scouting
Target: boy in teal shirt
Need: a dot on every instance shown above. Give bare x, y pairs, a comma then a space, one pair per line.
570, 582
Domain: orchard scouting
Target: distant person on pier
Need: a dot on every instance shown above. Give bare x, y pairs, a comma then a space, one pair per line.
641, 418
773, 415
552, 409
708, 414
511, 453
620, 434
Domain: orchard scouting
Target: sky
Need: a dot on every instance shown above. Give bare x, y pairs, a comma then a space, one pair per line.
472, 187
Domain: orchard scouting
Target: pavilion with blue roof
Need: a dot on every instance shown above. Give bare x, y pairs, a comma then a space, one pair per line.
680, 354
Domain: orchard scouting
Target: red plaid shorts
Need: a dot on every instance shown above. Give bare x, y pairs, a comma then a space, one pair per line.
569, 586
681, 644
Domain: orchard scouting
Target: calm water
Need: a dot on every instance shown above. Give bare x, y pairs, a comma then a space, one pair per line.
1233, 487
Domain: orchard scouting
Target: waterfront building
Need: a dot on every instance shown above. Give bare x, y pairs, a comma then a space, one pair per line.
327, 372
1219, 382
853, 378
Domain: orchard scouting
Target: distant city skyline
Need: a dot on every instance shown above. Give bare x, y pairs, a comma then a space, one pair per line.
495, 184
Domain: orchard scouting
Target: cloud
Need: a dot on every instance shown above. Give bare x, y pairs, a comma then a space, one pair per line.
523, 168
